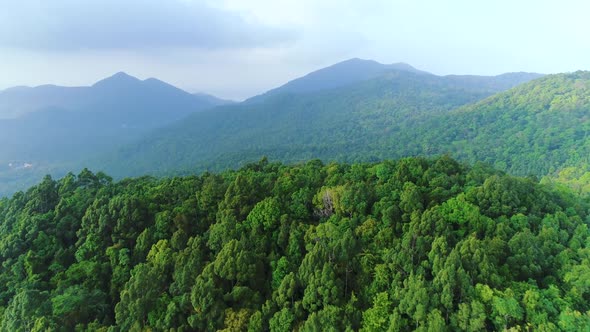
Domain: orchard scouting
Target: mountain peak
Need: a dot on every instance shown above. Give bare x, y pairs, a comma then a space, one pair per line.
337, 75
367, 64
355, 63
359, 60
122, 75
119, 79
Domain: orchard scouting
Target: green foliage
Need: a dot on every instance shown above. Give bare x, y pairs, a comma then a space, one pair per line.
384, 116
414, 244
539, 128
376, 318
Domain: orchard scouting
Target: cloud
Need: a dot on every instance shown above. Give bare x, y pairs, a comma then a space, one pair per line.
73, 25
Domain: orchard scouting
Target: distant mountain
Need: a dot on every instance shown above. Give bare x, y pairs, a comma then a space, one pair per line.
17, 101
371, 118
119, 94
213, 100
353, 110
53, 127
497, 83
338, 75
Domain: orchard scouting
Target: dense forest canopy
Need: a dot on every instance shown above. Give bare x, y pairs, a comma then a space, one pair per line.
412, 244
539, 127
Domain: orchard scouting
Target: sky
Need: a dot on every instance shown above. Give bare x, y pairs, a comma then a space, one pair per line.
239, 48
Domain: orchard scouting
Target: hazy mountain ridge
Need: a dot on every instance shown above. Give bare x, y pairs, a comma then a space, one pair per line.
118, 88
215, 101
499, 82
351, 111
338, 75
15, 102
350, 122
56, 128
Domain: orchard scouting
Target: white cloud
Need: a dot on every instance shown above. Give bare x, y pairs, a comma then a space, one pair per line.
70, 25
238, 48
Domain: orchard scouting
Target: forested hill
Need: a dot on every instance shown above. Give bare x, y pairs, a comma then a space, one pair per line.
536, 128
338, 75
366, 120
115, 124
413, 244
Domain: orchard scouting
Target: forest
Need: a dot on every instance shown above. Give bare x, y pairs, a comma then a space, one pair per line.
391, 116
414, 244
535, 128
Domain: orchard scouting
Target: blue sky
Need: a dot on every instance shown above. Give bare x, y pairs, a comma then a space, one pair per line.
239, 48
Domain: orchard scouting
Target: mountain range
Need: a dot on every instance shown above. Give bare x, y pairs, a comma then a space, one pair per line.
352, 111
54, 128
50, 123
399, 244
356, 110
120, 93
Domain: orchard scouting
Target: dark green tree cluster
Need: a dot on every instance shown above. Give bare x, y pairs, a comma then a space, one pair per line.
414, 244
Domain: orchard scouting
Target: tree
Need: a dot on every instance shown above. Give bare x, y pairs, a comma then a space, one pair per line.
506, 310
24, 308
281, 321
376, 318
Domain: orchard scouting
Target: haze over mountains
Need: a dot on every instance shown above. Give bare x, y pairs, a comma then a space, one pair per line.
352, 111
54, 128
357, 70
114, 94
443, 187
338, 75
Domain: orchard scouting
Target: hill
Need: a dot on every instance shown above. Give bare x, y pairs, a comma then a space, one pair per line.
536, 128
340, 74
413, 244
54, 128
120, 93
356, 121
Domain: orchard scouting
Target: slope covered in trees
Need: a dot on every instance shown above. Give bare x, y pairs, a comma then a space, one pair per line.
371, 119
338, 75
537, 128
58, 129
413, 244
